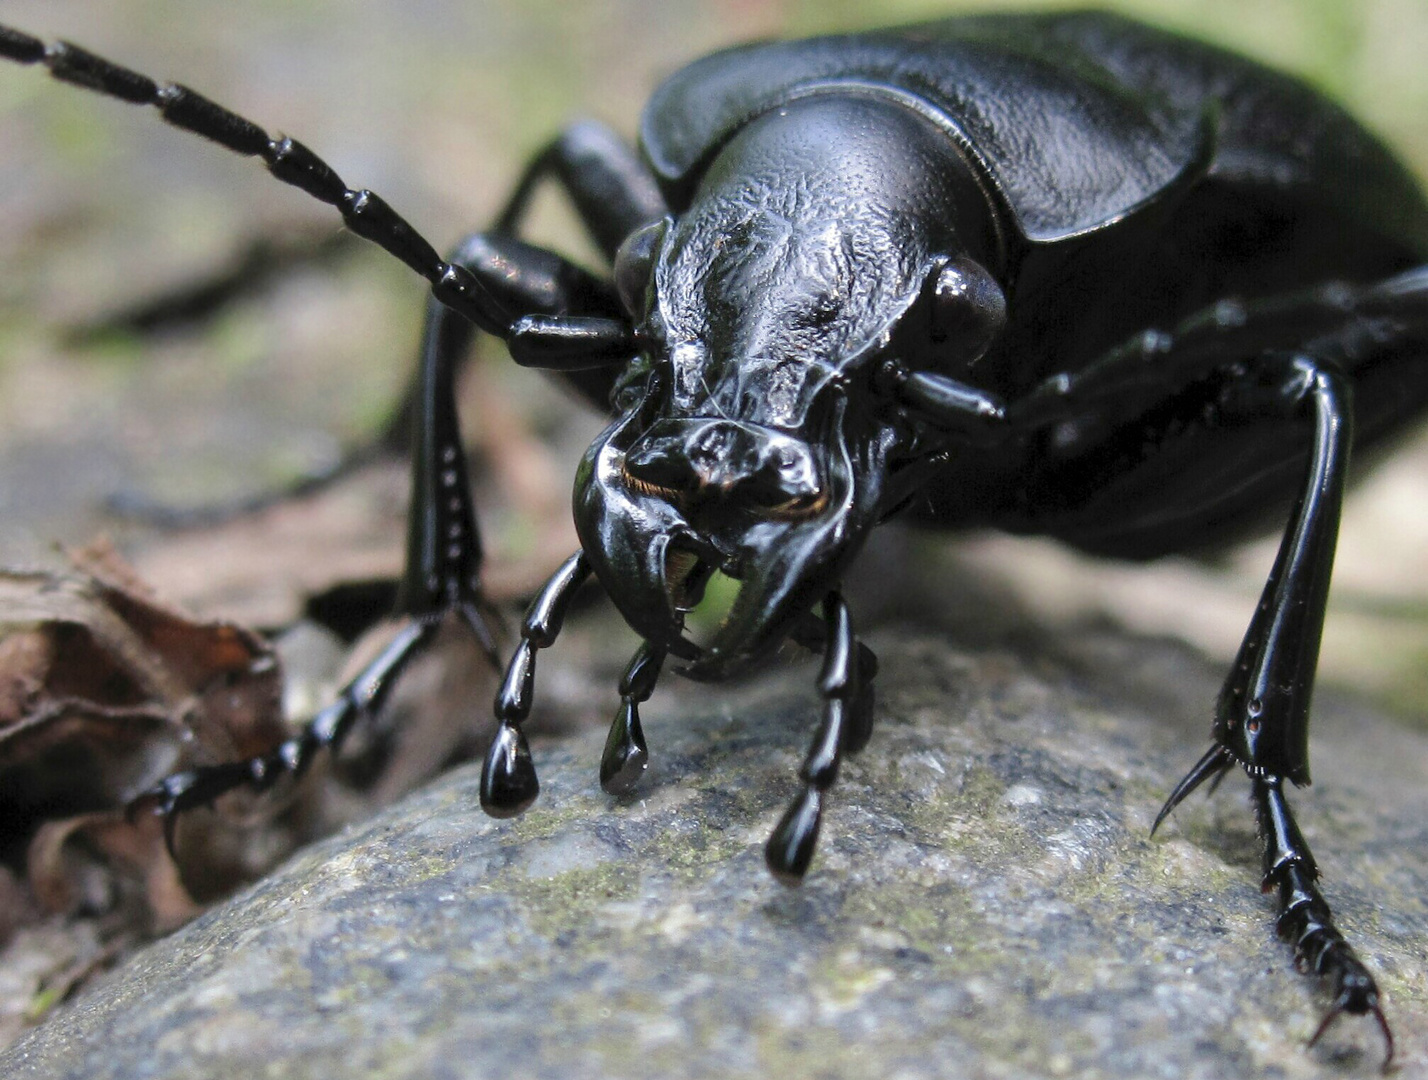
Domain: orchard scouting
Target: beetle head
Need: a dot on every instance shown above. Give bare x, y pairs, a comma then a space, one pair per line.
748, 440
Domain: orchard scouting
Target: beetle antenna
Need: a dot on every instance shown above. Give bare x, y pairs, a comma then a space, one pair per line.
365, 213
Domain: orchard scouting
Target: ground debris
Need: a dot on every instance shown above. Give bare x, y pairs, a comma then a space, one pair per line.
105, 689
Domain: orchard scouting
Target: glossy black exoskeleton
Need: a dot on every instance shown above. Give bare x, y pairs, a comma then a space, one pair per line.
1056, 274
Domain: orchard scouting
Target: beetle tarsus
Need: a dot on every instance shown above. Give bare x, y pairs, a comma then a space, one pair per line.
1340, 1006
184, 791
1305, 918
328, 729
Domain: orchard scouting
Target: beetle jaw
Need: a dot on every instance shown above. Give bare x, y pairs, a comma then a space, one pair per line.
780, 575
654, 552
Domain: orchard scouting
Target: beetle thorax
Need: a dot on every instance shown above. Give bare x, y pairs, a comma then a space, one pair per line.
753, 448
809, 236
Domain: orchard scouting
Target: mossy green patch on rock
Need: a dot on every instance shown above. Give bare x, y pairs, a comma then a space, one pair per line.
567, 905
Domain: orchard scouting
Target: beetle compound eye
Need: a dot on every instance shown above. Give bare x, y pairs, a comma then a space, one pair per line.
634, 266
634, 385
627, 395
967, 311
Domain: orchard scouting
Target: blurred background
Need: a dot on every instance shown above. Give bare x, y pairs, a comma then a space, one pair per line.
436, 104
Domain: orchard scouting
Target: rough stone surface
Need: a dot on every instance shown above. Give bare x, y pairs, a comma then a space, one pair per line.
986, 903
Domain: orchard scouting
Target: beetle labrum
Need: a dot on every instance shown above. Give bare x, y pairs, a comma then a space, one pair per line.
1056, 274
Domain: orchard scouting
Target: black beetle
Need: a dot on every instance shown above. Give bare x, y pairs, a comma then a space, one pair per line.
1056, 274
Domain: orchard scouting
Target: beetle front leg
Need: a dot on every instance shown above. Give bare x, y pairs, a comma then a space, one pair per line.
1231, 384
1262, 715
361, 697
444, 554
611, 188
441, 576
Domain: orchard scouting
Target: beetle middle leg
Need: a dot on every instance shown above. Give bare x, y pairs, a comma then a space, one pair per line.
611, 189
1262, 717
552, 314
1228, 396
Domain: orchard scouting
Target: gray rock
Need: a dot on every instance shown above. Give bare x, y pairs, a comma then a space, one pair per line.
986, 902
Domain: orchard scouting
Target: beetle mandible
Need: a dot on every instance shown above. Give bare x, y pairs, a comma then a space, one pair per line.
1056, 274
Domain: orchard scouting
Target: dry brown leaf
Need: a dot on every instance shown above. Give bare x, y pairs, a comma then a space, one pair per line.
260, 568
105, 689
72, 868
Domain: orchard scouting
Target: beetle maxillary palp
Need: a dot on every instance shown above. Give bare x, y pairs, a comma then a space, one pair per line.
626, 756
508, 781
845, 684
